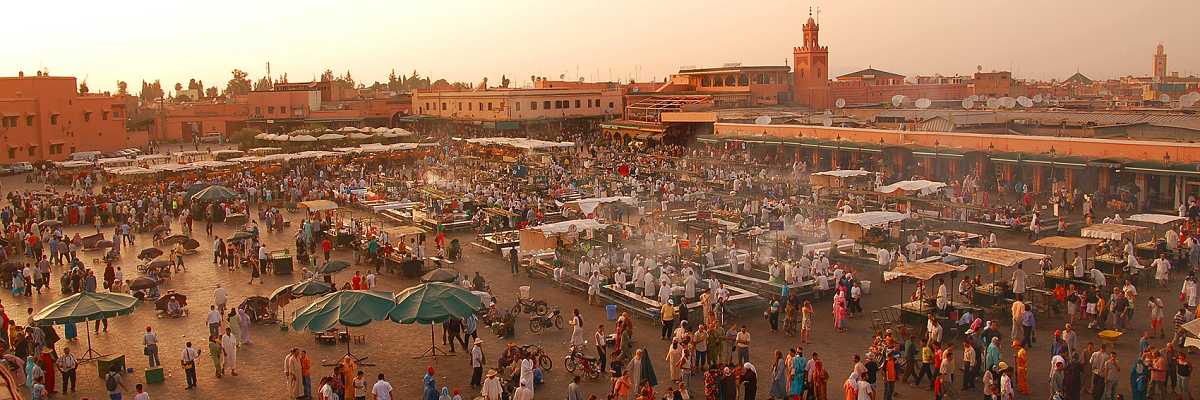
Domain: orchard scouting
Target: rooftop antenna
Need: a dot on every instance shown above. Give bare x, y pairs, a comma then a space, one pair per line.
818, 15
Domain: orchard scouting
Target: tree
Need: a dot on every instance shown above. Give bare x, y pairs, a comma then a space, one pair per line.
239, 84
193, 84
122, 88
327, 75
211, 92
504, 81
263, 83
151, 91
178, 86
83, 89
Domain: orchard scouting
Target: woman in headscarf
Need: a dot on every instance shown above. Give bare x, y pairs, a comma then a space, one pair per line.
1139, 380
524, 392
749, 381
243, 319
728, 385
46, 362
993, 354
1022, 361
635, 370
214, 351
779, 377
349, 370
799, 374
32, 371
430, 386
850, 387
1073, 378
820, 378
445, 394
231, 321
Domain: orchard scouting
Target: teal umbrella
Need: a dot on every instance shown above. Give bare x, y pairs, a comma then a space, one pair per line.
214, 193
333, 266
440, 275
84, 307
349, 308
310, 287
432, 303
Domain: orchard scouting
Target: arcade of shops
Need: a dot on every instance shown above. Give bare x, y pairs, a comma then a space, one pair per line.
1121, 179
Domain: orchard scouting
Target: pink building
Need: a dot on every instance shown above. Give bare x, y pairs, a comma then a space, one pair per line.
45, 118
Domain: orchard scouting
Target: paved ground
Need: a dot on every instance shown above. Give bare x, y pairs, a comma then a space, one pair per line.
391, 346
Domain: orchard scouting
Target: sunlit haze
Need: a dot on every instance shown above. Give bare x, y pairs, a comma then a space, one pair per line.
173, 41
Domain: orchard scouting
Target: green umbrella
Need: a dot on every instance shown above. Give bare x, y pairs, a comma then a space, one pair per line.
310, 288
333, 266
345, 307
240, 235
83, 307
432, 303
440, 275
214, 193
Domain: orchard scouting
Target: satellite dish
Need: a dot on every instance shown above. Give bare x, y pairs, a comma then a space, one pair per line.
1008, 102
973, 98
897, 100
1164, 98
1025, 102
924, 103
762, 120
1037, 98
840, 103
827, 112
1188, 101
827, 121
993, 103
968, 103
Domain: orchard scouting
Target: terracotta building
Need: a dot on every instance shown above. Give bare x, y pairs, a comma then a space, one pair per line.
504, 109
811, 78
45, 117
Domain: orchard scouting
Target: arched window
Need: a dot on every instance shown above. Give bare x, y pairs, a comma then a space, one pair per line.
743, 80
705, 81
730, 81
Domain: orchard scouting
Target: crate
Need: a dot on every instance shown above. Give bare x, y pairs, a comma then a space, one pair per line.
154, 375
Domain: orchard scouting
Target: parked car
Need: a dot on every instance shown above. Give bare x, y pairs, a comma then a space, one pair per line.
21, 167
6, 170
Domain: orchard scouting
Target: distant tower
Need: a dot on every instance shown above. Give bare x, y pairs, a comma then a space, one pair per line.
811, 75
1160, 64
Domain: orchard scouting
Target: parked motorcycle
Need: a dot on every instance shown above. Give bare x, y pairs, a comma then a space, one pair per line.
585, 365
545, 321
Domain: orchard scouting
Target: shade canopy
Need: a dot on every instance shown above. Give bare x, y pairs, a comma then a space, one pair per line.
333, 266
85, 306
310, 287
919, 187
440, 275
1109, 231
843, 173
1066, 242
871, 219
998, 256
302, 138
578, 225
434, 302
345, 307
1156, 219
331, 136
921, 271
318, 205
215, 193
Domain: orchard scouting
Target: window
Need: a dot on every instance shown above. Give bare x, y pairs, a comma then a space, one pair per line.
597, 102
489, 106
104, 115
32, 151
533, 105
743, 80
518, 104
29, 120
56, 149
458, 105
470, 106
116, 114
610, 104
257, 110
443, 106
270, 109
576, 103
87, 116
53, 119
481, 106
546, 104
8, 122
12, 152
705, 81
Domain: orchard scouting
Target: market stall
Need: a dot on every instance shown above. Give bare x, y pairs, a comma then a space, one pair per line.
921, 304
998, 292
1124, 235
541, 239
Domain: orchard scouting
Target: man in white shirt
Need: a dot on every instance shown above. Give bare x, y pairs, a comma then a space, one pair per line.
220, 298
214, 321
1162, 269
382, 389
189, 357
1018, 282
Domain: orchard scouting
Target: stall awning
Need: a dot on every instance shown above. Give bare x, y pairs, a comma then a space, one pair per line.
1156, 219
920, 187
1109, 231
843, 173
921, 271
1192, 327
870, 219
1066, 242
318, 205
587, 206
401, 231
998, 256
578, 225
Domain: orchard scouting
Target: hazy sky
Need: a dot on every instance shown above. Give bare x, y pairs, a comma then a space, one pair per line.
175, 40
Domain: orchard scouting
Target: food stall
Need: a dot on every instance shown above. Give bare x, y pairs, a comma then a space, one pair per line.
1115, 260
999, 291
915, 311
915, 188
839, 180
614, 208
1069, 246
1158, 224
543, 239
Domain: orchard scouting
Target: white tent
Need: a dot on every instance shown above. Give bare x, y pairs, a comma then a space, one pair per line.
331, 136
920, 187
871, 219
302, 138
347, 129
843, 173
360, 136
1156, 219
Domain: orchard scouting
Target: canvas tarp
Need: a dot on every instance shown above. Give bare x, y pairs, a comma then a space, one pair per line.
921, 271
919, 187
998, 256
1109, 231
1066, 242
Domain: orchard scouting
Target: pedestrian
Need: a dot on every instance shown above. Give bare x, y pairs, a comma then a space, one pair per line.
742, 343
477, 362
217, 355
360, 386
188, 360
113, 383
214, 320
382, 389
140, 393
229, 348
306, 373
66, 365
667, 317
291, 373
220, 298
150, 348
513, 259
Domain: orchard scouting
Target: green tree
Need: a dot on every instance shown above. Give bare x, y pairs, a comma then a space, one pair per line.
83, 89
239, 85
122, 88
211, 92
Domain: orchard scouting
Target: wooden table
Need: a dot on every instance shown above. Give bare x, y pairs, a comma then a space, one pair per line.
1059, 276
1109, 263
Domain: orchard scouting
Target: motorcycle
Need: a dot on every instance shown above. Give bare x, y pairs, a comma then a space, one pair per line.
577, 361
529, 306
546, 320
532, 351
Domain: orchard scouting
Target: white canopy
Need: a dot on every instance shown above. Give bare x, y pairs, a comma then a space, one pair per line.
347, 129
360, 135
302, 138
921, 187
245, 159
871, 219
172, 167
587, 206
331, 136
73, 164
401, 131
388, 134
843, 173
212, 164
522, 143
262, 136
129, 171
578, 225
1156, 219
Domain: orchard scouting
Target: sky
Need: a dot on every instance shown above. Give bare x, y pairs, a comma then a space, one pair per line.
460, 40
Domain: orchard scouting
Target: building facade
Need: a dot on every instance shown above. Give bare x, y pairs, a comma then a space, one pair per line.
45, 117
509, 108
810, 85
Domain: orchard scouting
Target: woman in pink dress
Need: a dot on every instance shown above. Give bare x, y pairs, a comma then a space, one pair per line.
839, 312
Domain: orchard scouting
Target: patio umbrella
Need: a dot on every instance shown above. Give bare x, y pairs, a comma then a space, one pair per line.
173, 239
10, 266
142, 282
240, 235
159, 264
282, 295
149, 253
214, 193
302, 138
433, 303
331, 136
333, 266
191, 244
84, 307
160, 229
310, 288
349, 308
440, 275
